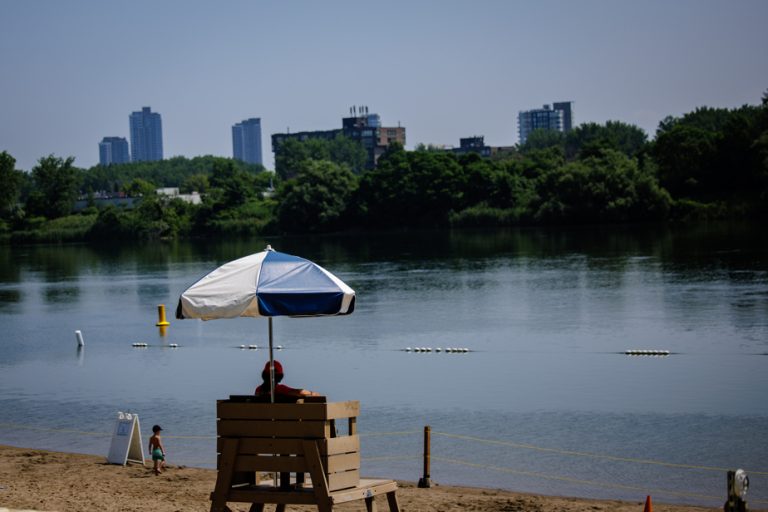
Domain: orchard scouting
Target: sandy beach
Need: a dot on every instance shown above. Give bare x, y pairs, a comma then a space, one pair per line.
53, 481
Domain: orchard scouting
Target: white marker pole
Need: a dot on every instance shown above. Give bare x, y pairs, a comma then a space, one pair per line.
79, 336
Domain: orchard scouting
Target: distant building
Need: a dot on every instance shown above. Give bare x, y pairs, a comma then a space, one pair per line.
476, 144
113, 150
366, 128
246, 141
146, 136
558, 117
360, 126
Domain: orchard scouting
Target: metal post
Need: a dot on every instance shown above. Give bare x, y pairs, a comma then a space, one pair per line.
424, 481
271, 366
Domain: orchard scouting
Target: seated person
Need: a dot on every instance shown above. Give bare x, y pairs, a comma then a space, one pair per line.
280, 389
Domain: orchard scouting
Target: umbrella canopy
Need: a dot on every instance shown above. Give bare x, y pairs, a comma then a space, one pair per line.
267, 284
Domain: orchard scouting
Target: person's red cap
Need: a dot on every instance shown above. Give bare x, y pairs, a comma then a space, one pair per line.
278, 368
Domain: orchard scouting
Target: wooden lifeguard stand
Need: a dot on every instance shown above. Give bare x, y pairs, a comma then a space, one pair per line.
291, 438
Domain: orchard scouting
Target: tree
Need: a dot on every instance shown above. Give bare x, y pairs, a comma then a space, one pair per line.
411, 189
11, 184
589, 138
292, 154
56, 183
139, 188
316, 200
542, 139
608, 187
235, 186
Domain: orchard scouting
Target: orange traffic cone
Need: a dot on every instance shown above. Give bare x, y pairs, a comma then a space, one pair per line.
648, 506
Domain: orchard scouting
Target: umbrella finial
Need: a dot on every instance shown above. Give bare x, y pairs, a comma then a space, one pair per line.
269, 248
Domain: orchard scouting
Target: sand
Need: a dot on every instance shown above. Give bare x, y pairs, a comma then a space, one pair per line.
53, 481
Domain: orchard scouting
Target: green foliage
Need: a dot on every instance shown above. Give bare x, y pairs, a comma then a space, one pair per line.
317, 199
56, 185
609, 187
712, 155
543, 139
231, 186
173, 172
293, 155
590, 138
11, 180
416, 189
63, 229
139, 188
483, 215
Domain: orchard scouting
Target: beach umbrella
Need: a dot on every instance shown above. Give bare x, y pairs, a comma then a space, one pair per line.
267, 284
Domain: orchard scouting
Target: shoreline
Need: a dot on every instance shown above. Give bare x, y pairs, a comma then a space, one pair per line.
48, 481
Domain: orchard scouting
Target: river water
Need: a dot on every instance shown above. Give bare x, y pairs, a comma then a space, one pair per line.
545, 400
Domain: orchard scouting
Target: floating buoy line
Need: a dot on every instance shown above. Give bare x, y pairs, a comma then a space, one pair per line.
142, 344
256, 347
637, 352
448, 350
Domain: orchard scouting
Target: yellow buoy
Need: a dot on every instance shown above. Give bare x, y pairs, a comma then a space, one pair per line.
161, 321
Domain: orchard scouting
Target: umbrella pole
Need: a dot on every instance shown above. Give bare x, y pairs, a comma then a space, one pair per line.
271, 366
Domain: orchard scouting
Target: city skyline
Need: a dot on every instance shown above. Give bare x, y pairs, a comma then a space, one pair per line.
446, 70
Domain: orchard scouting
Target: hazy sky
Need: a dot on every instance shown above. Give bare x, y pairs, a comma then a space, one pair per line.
71, 72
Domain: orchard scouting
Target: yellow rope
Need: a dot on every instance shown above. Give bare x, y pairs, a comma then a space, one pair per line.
376, 434
42, 429
587, 454
581, 481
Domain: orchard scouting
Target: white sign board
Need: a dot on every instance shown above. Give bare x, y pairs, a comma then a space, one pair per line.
126, 440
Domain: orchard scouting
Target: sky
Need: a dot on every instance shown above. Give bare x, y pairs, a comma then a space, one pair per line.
71, 72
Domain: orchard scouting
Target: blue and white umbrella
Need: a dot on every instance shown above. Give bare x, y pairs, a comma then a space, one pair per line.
267, 284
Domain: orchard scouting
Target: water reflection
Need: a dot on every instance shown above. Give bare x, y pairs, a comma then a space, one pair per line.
10, 299
56, 295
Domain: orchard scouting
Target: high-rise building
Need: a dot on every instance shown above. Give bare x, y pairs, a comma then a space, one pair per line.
146, 136
246, 141
113, 150
558, 117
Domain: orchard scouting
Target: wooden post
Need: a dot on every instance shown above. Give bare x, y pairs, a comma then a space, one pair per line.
424, 481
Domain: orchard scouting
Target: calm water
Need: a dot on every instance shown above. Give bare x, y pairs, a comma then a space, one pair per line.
545, 402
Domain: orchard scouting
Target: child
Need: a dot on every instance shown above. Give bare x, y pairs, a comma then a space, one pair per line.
157, 450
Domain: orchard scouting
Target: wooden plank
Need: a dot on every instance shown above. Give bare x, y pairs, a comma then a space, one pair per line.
267, 495
394, 506
317, 473
338, 445
270, 464
348, 409
226, 409
345, 480
295, 464
256, 428
246, 411
257, 445
224, 476
343, 462
364, 489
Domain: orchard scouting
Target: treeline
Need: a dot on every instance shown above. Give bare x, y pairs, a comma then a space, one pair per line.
709, 163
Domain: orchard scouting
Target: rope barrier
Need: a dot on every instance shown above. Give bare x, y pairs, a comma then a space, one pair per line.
43, 429
509, 444
593, 455
378, 434
581, 481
